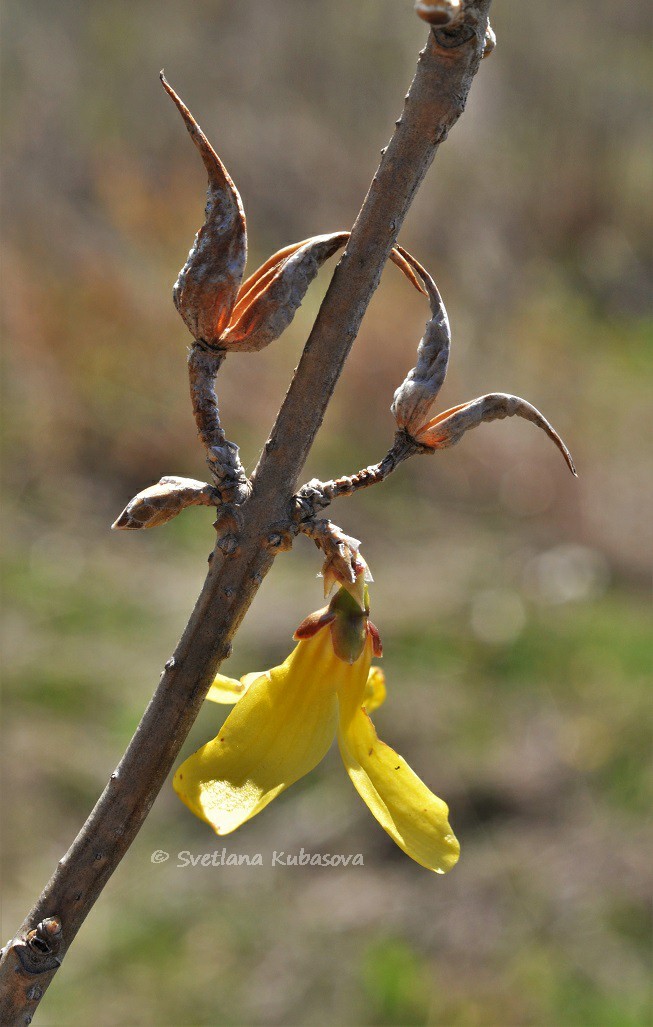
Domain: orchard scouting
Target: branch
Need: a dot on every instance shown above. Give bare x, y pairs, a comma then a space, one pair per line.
316, 495
435, 101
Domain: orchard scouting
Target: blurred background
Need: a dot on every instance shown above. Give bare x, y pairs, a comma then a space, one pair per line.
512, 599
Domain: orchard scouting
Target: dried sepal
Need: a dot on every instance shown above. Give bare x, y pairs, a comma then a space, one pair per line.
205, 291
417, 393
449, 427
343, 565
314, 623
161, 502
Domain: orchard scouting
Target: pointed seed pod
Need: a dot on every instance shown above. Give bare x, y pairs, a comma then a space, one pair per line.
271, 303
417, 393
268, 300
449, 427
206, 289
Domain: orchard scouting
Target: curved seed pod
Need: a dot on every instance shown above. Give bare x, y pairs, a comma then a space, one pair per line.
274, 298
269, 299
206, 289
449, 427
415, 396
161, 502
259, 278
264, 274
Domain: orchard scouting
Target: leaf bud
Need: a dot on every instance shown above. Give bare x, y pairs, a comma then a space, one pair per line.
161, 502
438, 12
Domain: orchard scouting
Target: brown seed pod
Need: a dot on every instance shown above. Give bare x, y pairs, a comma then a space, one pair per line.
417, 393
207, 286
269, 299
219, 310
272, 301
449, 427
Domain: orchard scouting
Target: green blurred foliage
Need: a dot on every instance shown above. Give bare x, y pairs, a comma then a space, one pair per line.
511, 598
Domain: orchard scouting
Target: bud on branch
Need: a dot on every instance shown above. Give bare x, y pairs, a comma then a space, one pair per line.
416, 395
161, 502
343, 564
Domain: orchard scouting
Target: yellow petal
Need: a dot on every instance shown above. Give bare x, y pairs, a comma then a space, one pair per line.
228, 690
375, 690
411, 814
277, 732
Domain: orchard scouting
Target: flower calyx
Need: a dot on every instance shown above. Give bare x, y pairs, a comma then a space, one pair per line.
349, 624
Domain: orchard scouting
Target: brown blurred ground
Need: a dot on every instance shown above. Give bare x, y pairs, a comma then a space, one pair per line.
511, 598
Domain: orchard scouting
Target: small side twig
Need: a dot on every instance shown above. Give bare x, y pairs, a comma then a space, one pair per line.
231, 482
315, 495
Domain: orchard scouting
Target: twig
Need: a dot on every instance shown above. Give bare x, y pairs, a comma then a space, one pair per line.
221, 455
435, 101
316, 495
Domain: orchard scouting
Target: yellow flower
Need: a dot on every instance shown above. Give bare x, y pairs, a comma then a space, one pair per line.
284, 722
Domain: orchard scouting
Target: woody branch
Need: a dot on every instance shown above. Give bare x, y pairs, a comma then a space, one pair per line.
436, 99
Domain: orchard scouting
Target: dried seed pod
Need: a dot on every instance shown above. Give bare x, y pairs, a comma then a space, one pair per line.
260, 278
270, 304
438, 12
219, 310
205, 291
269, 299
417, 393
161, 502
449, 427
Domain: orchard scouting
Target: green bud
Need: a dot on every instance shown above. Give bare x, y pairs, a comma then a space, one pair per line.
349, 628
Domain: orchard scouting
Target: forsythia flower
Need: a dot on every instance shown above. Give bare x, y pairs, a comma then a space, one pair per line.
284, 722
